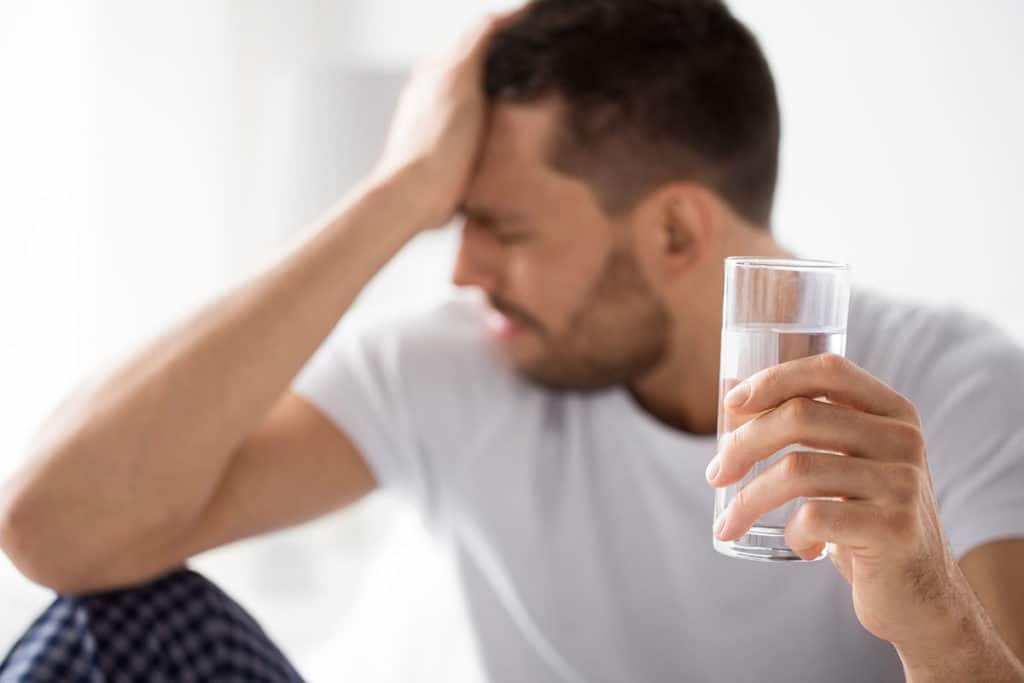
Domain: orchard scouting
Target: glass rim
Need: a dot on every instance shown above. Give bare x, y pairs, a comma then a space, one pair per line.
785, 263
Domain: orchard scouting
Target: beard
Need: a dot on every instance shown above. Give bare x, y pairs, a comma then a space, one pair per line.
619, 332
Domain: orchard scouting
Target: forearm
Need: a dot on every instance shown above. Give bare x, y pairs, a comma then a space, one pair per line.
143, 449
969, 648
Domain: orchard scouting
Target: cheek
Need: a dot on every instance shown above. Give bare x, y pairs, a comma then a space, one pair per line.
549, 285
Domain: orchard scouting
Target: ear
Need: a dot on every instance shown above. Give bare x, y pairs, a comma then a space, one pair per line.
678, 227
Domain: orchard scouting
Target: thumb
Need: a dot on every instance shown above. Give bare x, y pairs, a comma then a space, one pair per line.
842, 559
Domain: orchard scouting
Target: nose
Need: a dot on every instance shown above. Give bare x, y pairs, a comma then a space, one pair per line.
478, 261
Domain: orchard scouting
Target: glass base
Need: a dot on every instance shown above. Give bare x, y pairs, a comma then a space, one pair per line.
763, 544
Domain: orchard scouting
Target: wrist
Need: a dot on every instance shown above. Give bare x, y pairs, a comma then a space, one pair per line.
961, 646
944, 654
408, 190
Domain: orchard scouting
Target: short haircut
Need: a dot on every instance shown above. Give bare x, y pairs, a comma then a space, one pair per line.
653, 91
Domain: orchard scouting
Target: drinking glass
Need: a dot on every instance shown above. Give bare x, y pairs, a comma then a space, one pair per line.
774, 310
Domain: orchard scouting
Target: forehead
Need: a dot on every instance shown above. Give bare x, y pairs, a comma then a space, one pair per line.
521, 132
513, 174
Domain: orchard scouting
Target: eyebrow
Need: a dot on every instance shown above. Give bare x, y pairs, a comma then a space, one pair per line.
488, 217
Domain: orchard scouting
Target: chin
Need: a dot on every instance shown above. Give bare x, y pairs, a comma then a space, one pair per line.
583, 371
578, 369
522, 351
572, 375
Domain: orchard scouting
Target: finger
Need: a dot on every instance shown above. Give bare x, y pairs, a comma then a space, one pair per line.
817, 425
473, 46
730, 420
858, 524
828, 375
801, 474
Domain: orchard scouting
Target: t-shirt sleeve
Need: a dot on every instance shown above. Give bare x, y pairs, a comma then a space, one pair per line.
355, 380
971, 401
413, 395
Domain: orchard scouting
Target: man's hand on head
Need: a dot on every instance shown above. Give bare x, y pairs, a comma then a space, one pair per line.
439, 126
873, 501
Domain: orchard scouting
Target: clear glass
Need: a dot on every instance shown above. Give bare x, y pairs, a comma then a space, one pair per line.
774, 310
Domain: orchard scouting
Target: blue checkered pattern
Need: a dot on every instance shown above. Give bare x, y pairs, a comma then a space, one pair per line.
179, 627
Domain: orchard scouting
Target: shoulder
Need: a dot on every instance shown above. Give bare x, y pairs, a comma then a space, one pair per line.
440, 355
924, 349
964, 374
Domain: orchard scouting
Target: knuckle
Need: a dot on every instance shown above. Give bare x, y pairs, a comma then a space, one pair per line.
812, 516
904, 481
798, 409
799, 464
909, 408
766, 378
908, 437
831, 363
793, 533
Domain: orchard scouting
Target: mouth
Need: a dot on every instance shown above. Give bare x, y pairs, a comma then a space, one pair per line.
502, 325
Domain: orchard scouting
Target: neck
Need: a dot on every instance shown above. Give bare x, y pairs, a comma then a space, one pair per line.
682, 390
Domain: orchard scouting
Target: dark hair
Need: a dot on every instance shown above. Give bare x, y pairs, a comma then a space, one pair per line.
653, 91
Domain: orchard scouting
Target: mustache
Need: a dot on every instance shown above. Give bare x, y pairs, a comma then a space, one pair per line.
514, 312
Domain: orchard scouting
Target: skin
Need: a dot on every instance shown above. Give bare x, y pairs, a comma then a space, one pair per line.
537, 243
193, 449
193, 470
888, 542
570, 278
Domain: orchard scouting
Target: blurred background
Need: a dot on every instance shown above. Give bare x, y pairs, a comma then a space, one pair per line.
153, 154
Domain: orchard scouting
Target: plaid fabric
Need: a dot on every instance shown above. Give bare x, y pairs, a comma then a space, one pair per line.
179, 627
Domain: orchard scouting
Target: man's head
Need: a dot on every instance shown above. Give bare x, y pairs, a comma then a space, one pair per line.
621, 132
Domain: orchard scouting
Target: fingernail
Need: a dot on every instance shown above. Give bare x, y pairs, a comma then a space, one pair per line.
720, 523
712, 471
738, 395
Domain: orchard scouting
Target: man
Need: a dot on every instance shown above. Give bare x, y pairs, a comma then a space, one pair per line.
558, 430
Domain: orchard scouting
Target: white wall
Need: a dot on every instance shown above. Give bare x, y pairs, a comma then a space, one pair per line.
151, 153
903, 146
903, 150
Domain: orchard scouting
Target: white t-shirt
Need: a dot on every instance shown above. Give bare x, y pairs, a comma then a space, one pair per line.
582, 526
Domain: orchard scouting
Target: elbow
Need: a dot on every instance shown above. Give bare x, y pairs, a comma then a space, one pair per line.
23, 543
14, 544
15, 541
66, 562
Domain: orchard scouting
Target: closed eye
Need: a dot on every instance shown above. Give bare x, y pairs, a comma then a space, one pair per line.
511, 238
505, 226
